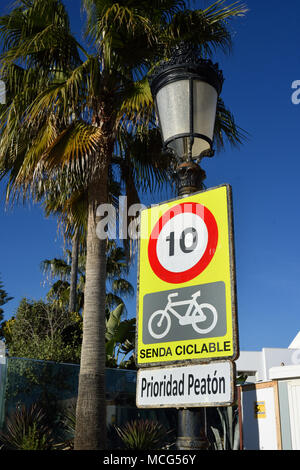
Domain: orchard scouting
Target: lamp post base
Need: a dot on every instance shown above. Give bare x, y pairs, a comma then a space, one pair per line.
191, 430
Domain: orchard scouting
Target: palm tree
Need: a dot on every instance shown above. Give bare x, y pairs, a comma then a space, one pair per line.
67, 201
105, 92
61, 197
60, 270
118, 287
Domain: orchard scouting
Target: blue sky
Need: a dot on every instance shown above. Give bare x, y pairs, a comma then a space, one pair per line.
263, 173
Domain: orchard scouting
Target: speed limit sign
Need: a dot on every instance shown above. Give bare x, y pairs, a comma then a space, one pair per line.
186, 308
183, 242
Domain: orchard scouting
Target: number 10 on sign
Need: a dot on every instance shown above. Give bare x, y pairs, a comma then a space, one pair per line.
183, 242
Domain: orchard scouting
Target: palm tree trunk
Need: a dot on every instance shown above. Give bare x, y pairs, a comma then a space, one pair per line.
90, 432
74, 272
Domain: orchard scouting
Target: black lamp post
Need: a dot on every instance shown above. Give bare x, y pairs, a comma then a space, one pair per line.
185, 90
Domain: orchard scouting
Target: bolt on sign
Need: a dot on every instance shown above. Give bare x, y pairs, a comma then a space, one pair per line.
186, 303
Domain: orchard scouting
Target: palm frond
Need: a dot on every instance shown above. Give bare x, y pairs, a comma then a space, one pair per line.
73, 146
56, 267
226, 129
137, 103
207, 28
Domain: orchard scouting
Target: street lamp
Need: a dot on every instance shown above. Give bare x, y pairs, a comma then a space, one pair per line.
185, 90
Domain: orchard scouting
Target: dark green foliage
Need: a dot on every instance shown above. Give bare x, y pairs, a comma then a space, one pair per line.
225, 436
44, 331
27, 429
4, 298
68, 423
120, 339
223, 422
143, 435
50, 385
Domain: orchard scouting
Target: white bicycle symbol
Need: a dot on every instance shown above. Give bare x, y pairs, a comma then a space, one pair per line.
161, 319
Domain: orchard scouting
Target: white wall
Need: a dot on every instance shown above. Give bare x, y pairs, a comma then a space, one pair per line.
277, 357
258, 363
250, 363
259, 432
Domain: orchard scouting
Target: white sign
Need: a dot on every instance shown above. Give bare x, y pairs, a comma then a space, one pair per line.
204, 385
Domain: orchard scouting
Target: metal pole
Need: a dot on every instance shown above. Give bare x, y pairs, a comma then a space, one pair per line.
192, 429
191, 422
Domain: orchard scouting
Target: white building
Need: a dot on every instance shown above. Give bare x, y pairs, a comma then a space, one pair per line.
270, 405
257, 364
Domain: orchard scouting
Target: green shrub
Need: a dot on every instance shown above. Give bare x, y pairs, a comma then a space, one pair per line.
142, 435
27, 429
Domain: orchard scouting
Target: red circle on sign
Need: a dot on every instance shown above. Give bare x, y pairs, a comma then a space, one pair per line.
201, 265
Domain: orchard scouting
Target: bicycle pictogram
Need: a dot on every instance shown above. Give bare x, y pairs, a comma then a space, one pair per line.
160, 321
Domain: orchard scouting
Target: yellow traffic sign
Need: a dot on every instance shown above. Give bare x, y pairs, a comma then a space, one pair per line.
186, 305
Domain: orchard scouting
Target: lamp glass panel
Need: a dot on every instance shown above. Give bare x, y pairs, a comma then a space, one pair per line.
204, 112
199, 146
172, 102
180, 146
